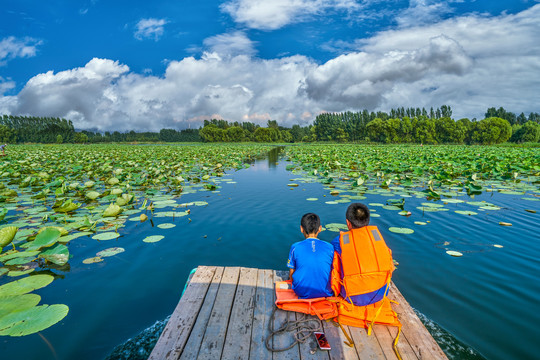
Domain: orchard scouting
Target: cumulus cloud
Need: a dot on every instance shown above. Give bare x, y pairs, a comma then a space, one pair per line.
470, 63
12, 47
271, 15
423, 12
149, 29
236, 43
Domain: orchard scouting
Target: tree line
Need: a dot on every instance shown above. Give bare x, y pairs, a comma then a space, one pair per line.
401, 125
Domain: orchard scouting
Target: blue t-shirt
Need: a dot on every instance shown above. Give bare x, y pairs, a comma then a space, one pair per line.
362, 299
311, 260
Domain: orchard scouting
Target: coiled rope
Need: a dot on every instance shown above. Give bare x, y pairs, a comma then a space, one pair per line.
301, 329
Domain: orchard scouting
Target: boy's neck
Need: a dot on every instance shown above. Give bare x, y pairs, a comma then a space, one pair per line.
310, 236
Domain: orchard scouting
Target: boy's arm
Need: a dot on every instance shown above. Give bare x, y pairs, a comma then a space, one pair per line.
291, 271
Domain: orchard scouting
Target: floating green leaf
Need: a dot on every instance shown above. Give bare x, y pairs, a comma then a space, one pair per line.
465, 212
153, 238
58, 254
312, 199
92, 260
106, 236
401, 230
32, 320
110, 252
454, 253
420, 223
92, 195
25, 285
14, 303
166, 226
46, 238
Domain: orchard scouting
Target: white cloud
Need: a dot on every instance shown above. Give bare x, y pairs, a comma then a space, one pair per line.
423, 12
149, 29
271, 15
12, 47
470, 63
236, 43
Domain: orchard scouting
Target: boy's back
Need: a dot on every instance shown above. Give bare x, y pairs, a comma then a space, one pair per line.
311, 260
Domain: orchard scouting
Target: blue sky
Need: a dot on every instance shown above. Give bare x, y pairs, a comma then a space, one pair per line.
122, 65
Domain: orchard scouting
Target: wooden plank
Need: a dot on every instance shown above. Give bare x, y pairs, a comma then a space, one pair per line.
336, 338
281, 341
367, 347
417, 335
195, 338
309, 350
238, 338
385, 341
405, 350
214, 336
176, 332
264, 304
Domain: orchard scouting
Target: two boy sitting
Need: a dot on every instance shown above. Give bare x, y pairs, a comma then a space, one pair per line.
312, 262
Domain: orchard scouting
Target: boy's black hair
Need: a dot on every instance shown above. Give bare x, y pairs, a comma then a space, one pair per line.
311, 223
358, 215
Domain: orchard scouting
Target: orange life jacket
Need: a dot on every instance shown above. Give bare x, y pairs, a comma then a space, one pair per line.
286, 299
365, 262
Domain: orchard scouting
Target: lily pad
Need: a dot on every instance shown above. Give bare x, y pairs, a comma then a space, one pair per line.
400, 230
153, 238
26, 285
112, 210
454, 253
15, 303
312, 199
110, 252
331, 202
420, 223
497, 246
6, 235
466, 212
505, 223
32, 320
92, 195
166, 226
46, 238
106, 236
58, 254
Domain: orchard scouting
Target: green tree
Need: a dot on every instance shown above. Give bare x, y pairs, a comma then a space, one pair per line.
492, 130
59, 139
529, 132
7, 135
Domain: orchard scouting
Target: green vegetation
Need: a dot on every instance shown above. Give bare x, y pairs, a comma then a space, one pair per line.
53, 194
411, 125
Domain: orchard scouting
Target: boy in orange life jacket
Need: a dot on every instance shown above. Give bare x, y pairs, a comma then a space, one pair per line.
310, 261
357, 216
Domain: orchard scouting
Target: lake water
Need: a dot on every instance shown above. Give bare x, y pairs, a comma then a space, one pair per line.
486, 299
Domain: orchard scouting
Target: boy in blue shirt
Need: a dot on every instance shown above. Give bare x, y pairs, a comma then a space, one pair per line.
310, 261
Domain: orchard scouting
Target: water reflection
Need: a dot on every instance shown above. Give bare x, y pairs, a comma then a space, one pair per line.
273, 156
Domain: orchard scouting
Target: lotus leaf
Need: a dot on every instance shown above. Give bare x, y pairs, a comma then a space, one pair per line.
338, 226
45, 238
312, 199
25, 285
3, 213
110, 252
466, 212
454, 253
116, 191
113, 181
153, 238
170, 214
7, 234
12, 254
331, 202
32, 320
92, 195
15, 273
200, 203
391, 207
166, 226
505, 223
432, 205
92, 260
530, 211
112, 210
62, 230
15, 303
420, 223
20, 261
66, 239
376, 204
124, 199
58, 254
3, 271
106, 236
400, 230
67, 206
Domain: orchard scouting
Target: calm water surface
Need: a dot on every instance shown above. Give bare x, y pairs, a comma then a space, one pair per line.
487, 299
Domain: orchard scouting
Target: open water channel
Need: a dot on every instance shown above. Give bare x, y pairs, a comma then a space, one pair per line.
483, 304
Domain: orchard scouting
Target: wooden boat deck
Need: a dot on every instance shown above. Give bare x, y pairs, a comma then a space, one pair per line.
224, 314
